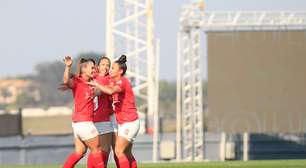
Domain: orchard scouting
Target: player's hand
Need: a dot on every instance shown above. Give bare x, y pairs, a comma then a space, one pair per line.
92, 83
68, 61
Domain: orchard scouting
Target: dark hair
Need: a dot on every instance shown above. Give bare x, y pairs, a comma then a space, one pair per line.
122, 64
83, 60
91, 60
102, 58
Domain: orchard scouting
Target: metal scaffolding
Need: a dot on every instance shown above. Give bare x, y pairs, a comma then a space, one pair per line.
253, 20
189, 89
130, 31
194, 21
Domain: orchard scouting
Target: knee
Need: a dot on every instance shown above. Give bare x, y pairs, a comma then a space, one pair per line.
95, 147
81, 154
95, 150
105, 148
81, 151
119, 152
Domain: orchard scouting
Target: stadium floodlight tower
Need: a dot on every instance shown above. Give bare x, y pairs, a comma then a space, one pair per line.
193, 22
130, 31
189, 85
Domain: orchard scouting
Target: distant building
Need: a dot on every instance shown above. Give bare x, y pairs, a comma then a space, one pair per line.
51, 111
11, 89
54, 120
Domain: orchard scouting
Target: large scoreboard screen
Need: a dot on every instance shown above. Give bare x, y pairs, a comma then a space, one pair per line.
256, 81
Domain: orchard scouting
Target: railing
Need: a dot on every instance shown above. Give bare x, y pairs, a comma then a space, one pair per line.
240, 20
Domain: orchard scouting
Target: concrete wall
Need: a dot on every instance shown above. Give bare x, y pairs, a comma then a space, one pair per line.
54, 149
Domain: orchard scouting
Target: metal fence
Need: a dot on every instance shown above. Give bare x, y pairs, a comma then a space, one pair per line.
53, 149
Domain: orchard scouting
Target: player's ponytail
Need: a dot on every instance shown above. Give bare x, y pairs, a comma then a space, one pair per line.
122, 64
122, 59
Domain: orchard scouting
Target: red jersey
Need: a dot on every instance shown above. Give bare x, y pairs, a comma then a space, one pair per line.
83, 100
103, 103
125, 109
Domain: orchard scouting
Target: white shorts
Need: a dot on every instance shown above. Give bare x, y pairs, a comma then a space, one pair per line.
129, 130
84, 130
104, 127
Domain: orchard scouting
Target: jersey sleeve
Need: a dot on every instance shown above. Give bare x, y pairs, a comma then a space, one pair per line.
121, 84
74, 82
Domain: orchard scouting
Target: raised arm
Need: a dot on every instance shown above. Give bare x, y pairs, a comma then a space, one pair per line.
66, 77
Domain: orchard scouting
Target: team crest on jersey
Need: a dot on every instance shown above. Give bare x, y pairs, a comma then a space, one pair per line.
126, 131
93, 131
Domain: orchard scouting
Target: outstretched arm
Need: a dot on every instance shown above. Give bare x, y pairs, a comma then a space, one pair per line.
106, 89
66, 77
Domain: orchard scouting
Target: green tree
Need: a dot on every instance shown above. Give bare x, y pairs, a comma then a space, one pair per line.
49, 76
5, 93
167, 99
24, 100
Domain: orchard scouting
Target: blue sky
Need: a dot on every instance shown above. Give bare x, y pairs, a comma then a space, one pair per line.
33, 31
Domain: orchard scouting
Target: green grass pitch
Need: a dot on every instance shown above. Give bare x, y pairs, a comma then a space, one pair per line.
231, 164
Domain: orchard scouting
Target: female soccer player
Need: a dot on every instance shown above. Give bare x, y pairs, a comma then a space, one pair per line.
104, 110
85, 132
125, 111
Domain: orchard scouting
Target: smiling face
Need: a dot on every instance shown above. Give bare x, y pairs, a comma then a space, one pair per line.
88, 69
104, 67
115, 70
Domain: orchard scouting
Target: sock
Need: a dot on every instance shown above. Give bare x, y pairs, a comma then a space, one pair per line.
90, 161
97, 159
124, 162
116, 160
133, 162
72, 160
105, 157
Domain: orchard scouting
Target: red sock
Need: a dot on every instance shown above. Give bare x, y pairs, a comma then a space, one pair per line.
90, 161
72, 160
124, 162
116, 160
133, 162
97, 160
105, 157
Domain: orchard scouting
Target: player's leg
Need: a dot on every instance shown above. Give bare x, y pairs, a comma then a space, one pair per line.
73, 158
120, 147
126, 135
105, 130
133, 129
130, 156
114, 137
106, 142
95, 156
89, 135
